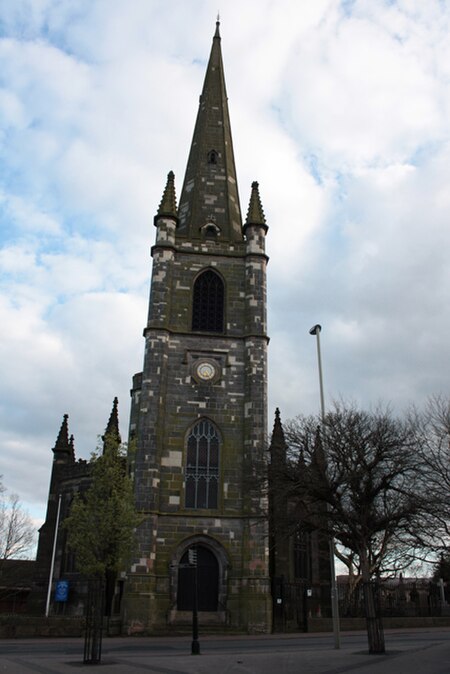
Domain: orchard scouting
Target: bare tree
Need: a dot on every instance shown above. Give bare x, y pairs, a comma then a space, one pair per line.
17, 532
356, 477
432, 428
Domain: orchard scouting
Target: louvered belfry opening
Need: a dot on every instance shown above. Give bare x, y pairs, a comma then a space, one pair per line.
208, 303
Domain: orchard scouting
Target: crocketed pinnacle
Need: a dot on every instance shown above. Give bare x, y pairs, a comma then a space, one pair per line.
278, 442
255, 213
72, 447
112, 429
168, 205
210, 183
62, 443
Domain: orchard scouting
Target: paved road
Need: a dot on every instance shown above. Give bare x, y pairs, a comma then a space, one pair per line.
408, 652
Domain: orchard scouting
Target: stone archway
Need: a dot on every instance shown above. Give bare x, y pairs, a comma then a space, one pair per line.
212, 580
207, 581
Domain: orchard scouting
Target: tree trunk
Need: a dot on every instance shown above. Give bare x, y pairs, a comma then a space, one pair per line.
94, 622
110, 586
375, 633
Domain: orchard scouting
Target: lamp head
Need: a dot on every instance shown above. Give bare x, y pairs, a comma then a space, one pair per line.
315, 329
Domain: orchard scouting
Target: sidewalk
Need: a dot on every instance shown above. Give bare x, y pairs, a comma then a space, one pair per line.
421, 651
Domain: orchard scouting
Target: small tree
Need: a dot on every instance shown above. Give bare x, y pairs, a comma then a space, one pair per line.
100, 528
360, 472
17, 532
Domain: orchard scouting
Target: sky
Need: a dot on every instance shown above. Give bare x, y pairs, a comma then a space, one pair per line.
340, 109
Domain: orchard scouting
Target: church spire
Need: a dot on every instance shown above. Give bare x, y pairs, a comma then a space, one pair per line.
210, 192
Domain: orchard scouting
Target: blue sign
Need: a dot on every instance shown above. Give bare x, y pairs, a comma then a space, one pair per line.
62, 590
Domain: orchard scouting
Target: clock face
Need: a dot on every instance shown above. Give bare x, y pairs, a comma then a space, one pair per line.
205, 371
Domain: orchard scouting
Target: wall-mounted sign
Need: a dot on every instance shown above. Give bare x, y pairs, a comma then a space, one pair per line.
62, 590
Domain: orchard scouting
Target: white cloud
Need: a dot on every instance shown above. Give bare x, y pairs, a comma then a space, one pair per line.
339, 110
373, 97
25, 216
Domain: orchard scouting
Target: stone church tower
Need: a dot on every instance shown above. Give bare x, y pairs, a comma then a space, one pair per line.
198, 426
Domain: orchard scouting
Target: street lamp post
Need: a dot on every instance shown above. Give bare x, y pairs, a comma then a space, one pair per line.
315, 331
52, 563
193, 563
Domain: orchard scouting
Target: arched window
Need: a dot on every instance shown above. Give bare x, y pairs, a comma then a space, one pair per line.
202, 466
302, 551
211, 232
207, 304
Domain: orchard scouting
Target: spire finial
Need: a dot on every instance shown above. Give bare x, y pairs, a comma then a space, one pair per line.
217, 33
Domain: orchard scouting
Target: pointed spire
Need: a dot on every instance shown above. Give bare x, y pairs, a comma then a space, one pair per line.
255, 213
278, 442
112, 432
62, 444
168, 205
277, 422
210, 183
62, 441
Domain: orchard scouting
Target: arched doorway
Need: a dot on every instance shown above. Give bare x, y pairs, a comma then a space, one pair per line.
207, 581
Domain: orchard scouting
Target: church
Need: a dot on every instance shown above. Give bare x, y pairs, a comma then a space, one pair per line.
198, 421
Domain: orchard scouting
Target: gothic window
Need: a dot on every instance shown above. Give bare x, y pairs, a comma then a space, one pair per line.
212, 157
68, 557
208, 302
301, 553
202, 466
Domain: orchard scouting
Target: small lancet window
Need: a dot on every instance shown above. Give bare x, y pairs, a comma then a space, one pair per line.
211, 232
213, 156
208, 303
